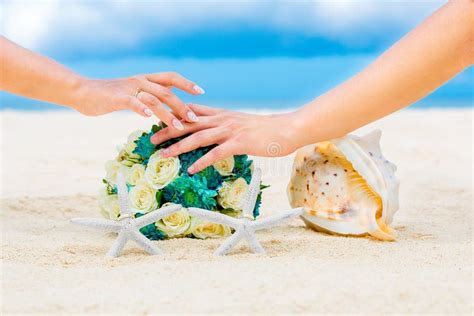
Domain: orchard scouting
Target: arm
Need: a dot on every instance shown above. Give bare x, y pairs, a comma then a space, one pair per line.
32, 75
434, 52
424, 59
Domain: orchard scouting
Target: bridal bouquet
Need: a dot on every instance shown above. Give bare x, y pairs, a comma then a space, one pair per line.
154, 181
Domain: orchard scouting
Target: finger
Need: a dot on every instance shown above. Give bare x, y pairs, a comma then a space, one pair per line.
175, 80
169, 98
169, 133
138, 107
217, 153
202, 110
156, 107
199, 139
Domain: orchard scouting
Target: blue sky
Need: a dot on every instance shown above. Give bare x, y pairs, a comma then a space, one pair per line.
270, 54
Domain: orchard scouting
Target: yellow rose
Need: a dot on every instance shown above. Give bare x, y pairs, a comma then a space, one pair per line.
161, 171
142, 198
225, 166
176, 224
203, 229
232, 194
109, 205
112, 168
135, 174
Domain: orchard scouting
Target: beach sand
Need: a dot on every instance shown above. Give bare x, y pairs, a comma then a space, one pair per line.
52, 165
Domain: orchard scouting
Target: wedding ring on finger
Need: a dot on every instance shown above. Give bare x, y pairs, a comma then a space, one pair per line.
137, 92
147, 111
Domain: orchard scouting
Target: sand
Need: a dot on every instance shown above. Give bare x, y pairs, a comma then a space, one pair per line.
51, 169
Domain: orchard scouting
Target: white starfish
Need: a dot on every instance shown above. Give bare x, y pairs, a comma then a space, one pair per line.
126, 226
245, 226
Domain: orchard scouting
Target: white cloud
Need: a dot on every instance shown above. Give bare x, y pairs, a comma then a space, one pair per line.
106, 25
25, 23
347, 21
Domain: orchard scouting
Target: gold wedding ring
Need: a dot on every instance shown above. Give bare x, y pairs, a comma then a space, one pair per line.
137, 92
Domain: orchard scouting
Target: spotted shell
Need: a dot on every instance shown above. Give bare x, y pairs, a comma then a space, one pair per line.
346, 186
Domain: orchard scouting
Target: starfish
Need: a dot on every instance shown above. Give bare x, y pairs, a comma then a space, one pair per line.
127, 226
245, 226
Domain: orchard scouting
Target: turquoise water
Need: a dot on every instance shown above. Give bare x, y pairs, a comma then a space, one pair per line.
266, 83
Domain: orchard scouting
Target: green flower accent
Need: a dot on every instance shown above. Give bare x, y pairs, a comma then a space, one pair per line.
190, 192
187, 159
242, 168
213, 178
144, 147
150, 231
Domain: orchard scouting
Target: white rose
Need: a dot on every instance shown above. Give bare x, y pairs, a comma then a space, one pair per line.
126, 155
161, 171
135, 174
225, 166
130, 145
203, 229
176, 224
112, 168
109, 205
232, 194
142, 198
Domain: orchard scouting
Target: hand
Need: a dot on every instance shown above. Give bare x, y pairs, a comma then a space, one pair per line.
235, 133
97, 97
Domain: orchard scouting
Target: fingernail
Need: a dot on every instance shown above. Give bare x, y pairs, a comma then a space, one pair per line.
192, 116
191, 169
165, 152
178, 124
148, 112
198, 89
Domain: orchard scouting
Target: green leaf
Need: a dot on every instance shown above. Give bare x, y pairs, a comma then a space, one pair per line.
111, 189
230, 212
159, 196
256, 210
155, 128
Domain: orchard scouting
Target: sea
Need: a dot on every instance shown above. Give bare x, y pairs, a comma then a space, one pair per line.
258, 84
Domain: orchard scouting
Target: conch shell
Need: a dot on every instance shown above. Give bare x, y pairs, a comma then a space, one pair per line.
346, 186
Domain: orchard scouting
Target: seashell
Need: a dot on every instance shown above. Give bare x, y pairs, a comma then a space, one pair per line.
346, 187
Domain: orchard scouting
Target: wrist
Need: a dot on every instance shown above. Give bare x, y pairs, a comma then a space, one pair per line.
298, 130
289, 130
313, 123
79, 96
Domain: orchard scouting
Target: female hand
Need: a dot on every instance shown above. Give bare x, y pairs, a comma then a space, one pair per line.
234, 132
143, 94
35, 76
